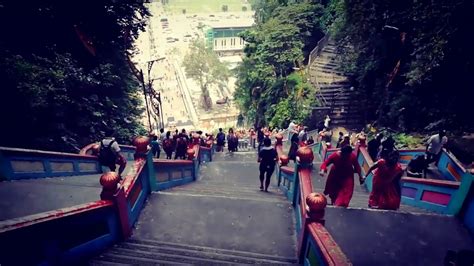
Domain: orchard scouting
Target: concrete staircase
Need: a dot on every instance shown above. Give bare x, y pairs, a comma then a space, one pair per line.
139, 251
335, 93
222, 218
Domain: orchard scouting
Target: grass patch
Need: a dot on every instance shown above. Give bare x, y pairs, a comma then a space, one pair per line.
204, 6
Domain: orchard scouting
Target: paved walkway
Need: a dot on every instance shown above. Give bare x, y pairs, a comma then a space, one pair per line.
20, 198
224, 209
374, 237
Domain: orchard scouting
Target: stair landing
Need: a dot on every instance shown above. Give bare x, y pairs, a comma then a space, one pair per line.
223, 218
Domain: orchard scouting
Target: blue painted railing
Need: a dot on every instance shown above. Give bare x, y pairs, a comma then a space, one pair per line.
205, 154
69, 235
324, 152
22, 163
137, 188
174, 173
60, 237
171, 173
407, 155
286, 181
441, 196
450, 167
467, 211
128, 152
434, 195
315, 244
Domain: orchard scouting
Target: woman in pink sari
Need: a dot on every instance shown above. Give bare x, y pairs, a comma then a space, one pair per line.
386, 192
340, 182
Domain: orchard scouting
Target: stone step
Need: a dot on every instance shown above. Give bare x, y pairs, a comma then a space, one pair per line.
220, 186
326, 55
138, 250
274, 194
329, 49
322, 72
332, 82
347, 123
325, 60
329, 78
334, 101
330, 71
335, 89
328, 64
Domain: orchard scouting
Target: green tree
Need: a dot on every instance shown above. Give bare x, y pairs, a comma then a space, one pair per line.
65, 77
203, 65
408, 59
267, 91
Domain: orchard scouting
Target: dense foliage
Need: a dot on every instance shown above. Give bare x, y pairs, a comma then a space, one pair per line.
410, 60
64, 72
269, 91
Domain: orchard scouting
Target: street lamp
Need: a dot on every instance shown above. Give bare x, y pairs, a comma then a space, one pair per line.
142, 79
153, 95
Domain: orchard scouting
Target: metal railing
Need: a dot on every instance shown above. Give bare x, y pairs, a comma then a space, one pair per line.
312, 57
317, 50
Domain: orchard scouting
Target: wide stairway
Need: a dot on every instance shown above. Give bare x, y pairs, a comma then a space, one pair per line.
222, 218
335, 93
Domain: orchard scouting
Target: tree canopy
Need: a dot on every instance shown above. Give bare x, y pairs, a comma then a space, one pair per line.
203, 65
64, 71
409, 60
268, 91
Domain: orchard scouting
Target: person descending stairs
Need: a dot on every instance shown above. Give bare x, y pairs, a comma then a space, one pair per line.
221, 218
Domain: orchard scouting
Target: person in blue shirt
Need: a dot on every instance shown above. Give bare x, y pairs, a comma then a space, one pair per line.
155, 147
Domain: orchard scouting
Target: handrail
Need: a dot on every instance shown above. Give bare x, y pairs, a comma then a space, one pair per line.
12, 224
88, 147
321, 96
130, 180
305, 186
318, 48
455, 160
312, 57
432, 182
43, 153
330, 250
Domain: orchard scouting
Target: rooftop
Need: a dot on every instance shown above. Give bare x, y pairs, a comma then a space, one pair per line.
232, 23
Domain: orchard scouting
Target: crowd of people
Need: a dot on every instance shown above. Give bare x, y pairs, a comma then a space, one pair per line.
339, 187
176, 143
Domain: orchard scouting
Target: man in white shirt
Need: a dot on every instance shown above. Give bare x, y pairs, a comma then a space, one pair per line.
109, 154
435, 145
291, 129
303, 135
326, 121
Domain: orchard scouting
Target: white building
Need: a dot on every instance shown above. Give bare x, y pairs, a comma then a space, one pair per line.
223, 36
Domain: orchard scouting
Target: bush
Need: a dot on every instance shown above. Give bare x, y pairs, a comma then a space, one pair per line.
244, 8
225, 8
404, 141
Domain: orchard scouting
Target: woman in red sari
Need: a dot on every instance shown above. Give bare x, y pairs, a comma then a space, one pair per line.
386, 183
340, 183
